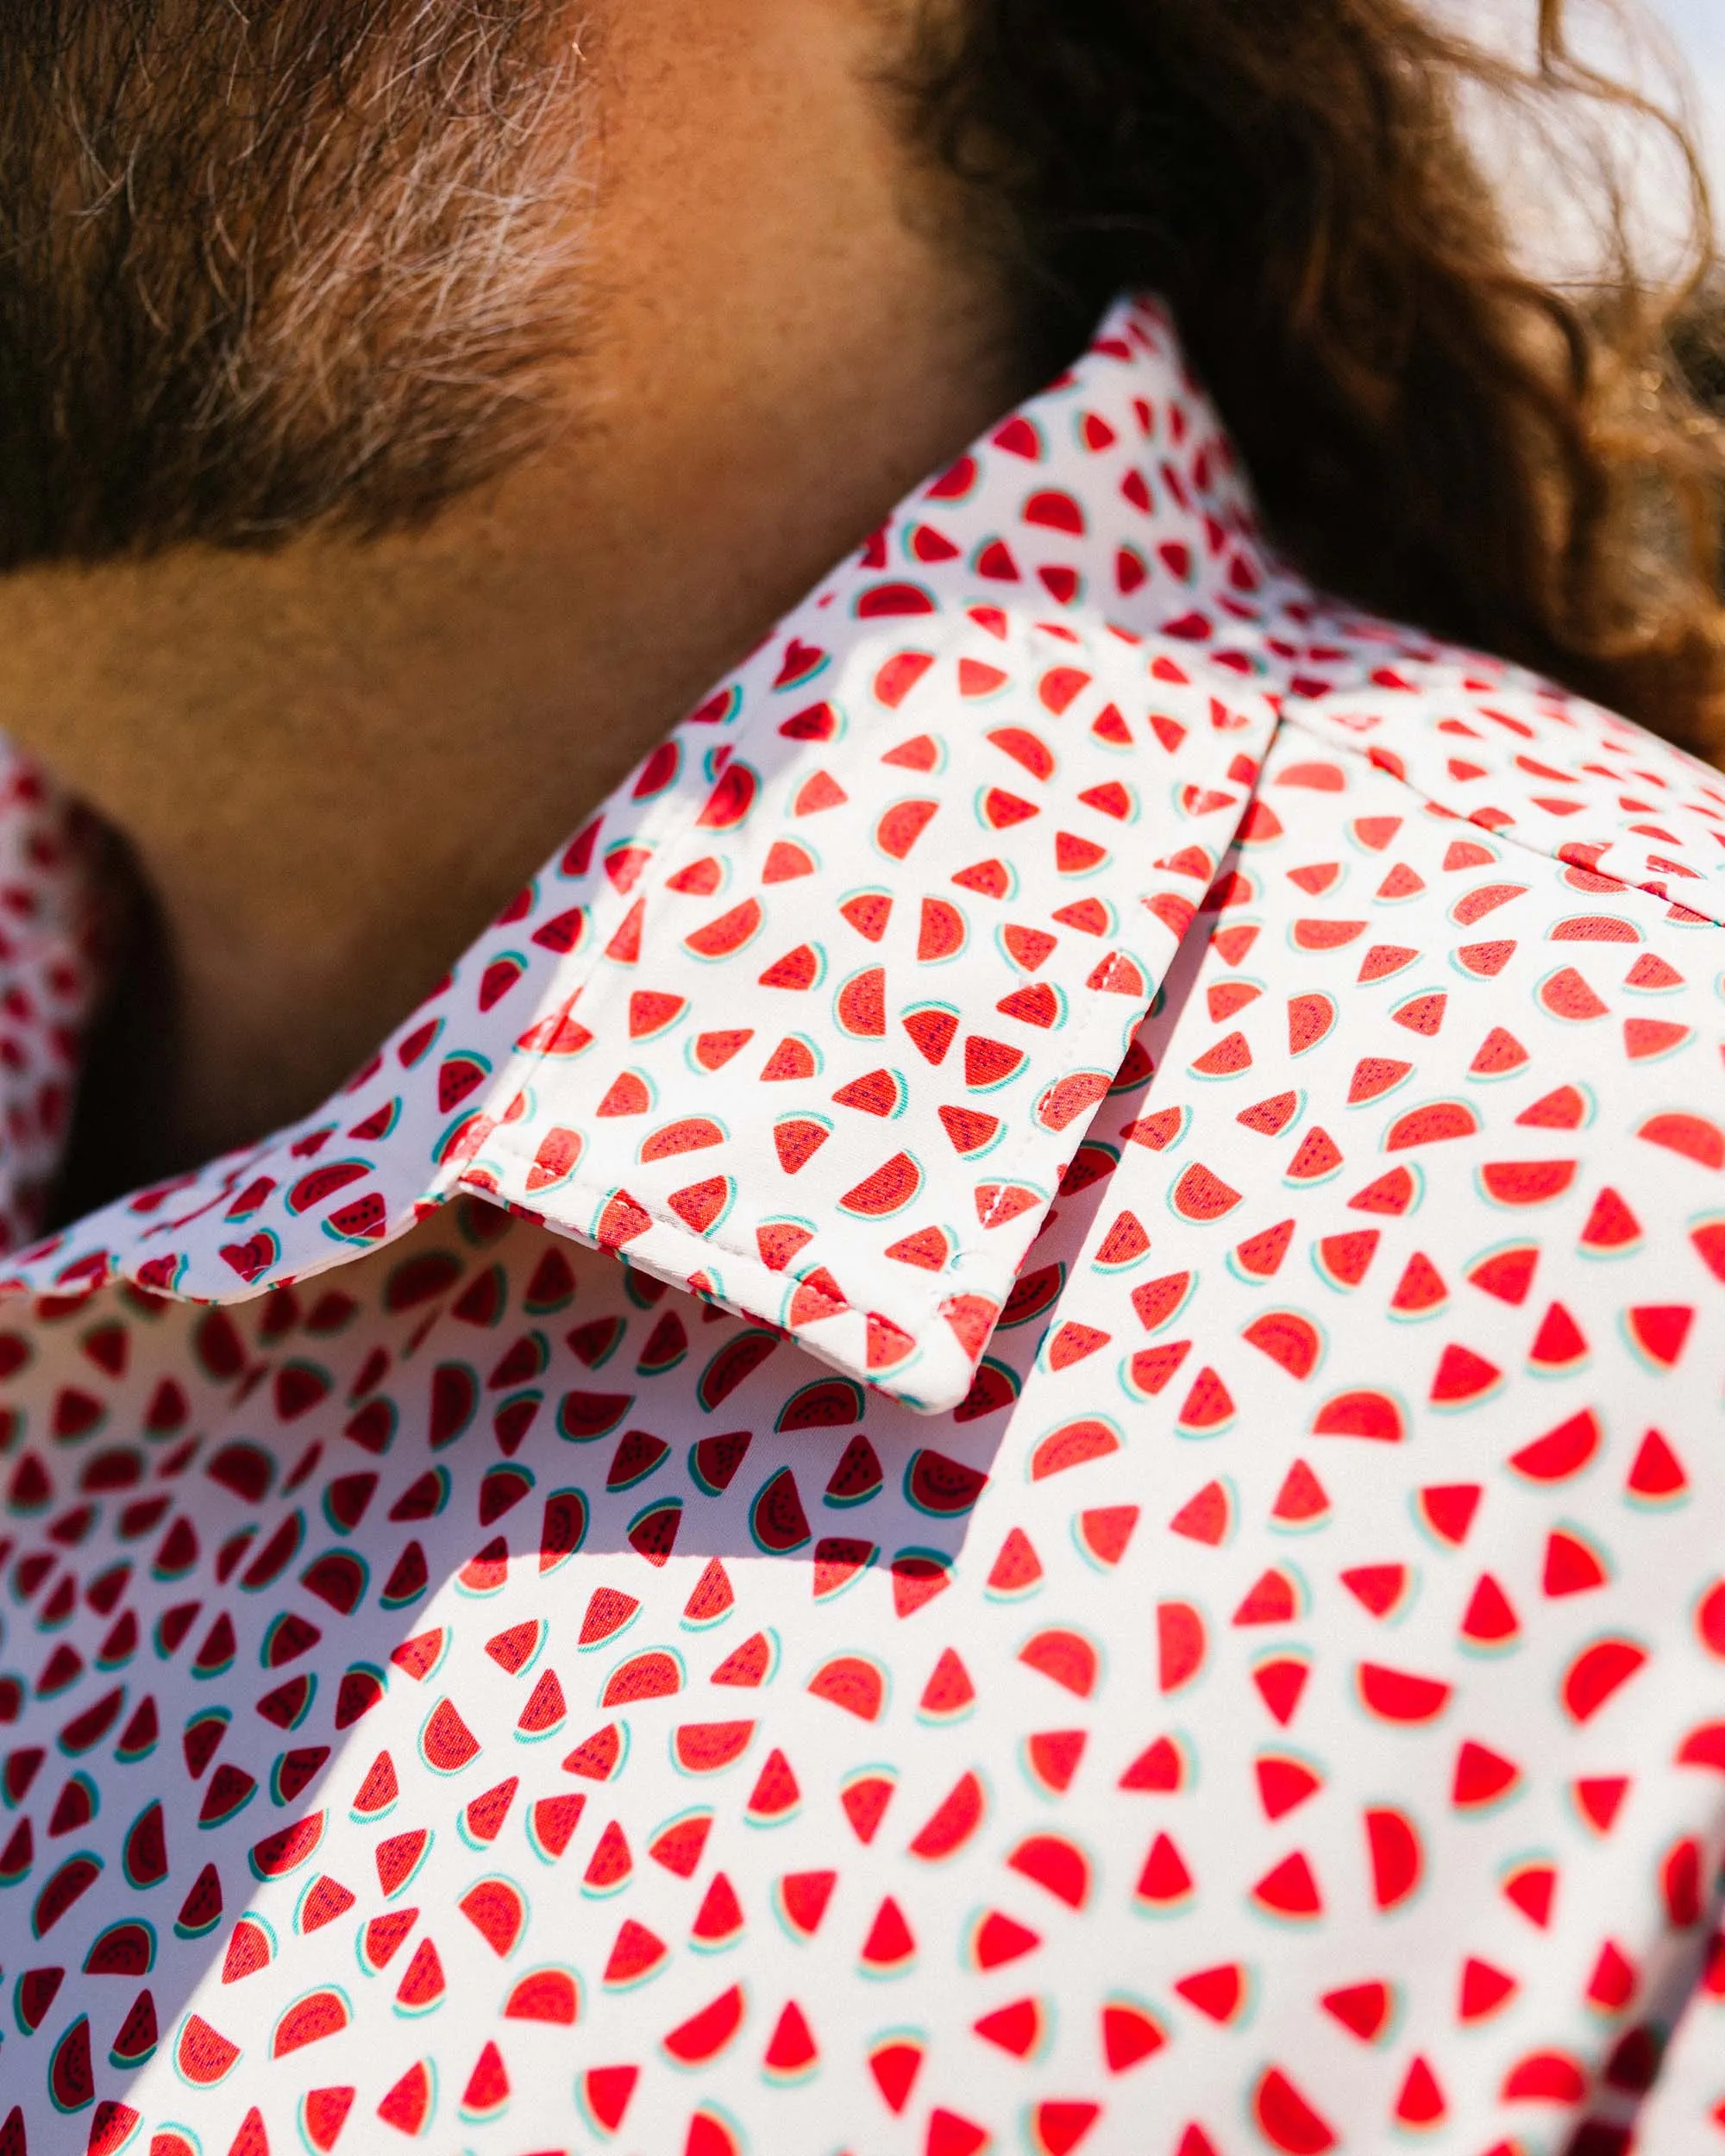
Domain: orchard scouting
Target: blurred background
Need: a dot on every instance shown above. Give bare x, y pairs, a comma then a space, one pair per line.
1698, 26
1545, 159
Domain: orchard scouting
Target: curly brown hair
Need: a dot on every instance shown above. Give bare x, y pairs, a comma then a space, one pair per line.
1432, 429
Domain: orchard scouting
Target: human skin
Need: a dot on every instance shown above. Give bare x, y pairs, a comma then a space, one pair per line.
332, 762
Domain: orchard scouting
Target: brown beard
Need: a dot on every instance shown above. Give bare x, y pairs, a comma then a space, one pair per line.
272, 265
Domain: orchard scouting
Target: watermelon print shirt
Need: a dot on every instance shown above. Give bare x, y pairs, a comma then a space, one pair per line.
1005, 1432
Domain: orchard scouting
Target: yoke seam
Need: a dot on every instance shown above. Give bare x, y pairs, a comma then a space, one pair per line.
1713, 914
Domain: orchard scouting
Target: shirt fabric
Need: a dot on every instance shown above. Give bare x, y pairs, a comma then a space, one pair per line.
1003, 1431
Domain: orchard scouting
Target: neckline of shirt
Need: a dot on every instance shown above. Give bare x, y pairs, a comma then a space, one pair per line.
1028, 716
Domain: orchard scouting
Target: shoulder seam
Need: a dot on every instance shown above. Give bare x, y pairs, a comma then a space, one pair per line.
1499, 833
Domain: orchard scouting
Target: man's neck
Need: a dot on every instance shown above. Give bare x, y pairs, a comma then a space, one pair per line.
333, 764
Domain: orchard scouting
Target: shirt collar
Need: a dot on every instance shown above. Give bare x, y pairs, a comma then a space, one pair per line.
812, 1017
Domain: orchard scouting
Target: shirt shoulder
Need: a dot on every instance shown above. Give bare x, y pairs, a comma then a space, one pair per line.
1543, 771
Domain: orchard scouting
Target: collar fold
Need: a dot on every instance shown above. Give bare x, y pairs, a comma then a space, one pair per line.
811, 1018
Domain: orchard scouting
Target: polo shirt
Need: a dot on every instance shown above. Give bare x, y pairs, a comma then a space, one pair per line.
1002, 1432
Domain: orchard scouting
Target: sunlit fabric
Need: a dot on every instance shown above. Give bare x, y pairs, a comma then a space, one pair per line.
1003, 1432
